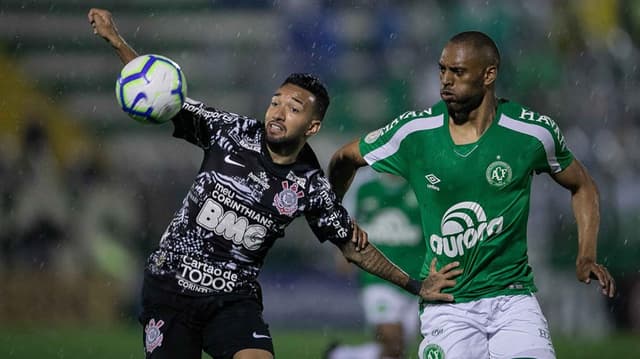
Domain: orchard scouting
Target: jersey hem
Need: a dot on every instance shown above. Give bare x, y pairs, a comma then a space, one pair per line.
462, 299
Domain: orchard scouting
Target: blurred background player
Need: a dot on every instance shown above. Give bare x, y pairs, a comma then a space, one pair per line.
387, 209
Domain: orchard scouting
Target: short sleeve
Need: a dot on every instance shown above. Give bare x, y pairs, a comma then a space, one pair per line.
382, 149
554, 155
326, 216
199, 124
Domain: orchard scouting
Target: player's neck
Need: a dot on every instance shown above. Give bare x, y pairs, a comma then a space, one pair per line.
284, 154
477, 123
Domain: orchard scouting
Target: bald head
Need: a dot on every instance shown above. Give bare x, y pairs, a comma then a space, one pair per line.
481, 44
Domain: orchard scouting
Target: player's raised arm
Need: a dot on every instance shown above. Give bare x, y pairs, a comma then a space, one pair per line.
586, 209
343, 166
102, 22
371, 260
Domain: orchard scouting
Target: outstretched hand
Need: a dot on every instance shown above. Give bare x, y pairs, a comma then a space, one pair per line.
587, 269
103, 25
438, 280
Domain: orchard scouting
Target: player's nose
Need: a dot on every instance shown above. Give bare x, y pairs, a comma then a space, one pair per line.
278, 114
446, 79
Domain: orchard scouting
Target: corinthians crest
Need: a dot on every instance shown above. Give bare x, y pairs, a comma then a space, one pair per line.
286, 201
153, 335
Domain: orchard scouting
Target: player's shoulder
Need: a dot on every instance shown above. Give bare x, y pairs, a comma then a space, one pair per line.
519, 113
522, 119
318, 186
207, 112
411, 121
433, 113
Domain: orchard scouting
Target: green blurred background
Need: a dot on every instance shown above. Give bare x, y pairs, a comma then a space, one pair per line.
86, 192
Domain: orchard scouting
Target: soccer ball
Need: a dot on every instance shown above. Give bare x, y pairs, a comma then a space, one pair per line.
151, 89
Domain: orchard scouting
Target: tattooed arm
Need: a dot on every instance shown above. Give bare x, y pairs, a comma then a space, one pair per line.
373, 261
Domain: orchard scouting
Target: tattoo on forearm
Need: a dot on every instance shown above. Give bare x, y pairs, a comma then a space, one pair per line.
374, 262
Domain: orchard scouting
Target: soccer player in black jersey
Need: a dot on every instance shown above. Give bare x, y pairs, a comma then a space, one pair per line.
200, 289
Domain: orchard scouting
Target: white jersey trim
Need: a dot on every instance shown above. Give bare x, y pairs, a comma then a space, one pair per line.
392, 146
540, 133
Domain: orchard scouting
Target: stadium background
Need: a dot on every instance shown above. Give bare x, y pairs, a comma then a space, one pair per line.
86, 192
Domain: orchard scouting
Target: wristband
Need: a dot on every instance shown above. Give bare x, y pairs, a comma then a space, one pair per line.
413, 286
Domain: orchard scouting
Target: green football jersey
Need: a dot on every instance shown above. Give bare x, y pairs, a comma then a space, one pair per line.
387, 209
473, 198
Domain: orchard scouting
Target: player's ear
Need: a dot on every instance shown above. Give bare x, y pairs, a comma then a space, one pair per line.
490, 75
314, 127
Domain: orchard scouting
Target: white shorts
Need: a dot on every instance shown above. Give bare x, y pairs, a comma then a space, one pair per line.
502, 327
386, 304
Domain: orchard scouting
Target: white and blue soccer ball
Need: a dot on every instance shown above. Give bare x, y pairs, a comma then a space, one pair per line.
151, 89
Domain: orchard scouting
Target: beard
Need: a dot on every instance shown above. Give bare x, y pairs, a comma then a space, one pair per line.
282, 145
460, 109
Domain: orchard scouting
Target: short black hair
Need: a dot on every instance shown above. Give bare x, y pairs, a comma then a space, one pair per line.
312, 84
480, 41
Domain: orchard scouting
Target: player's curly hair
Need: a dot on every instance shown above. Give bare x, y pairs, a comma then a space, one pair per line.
312, 84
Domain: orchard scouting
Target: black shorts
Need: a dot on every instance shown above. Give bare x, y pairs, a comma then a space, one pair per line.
179, 326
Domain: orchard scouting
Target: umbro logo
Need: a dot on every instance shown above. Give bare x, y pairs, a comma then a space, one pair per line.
228, 160
433, 181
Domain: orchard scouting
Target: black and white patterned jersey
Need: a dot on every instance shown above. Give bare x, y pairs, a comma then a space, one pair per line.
239, 204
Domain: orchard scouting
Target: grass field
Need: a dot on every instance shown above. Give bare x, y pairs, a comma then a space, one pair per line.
126, 342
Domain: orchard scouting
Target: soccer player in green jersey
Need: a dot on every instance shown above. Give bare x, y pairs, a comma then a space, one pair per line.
387, 209
470, 160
